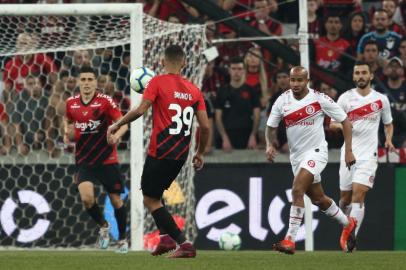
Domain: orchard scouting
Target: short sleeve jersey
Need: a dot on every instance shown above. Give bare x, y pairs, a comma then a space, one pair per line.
175, 101
91, 121
365, 113
304, 120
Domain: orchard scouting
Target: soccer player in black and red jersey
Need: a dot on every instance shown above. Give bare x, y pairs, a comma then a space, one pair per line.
88, 115
174, 101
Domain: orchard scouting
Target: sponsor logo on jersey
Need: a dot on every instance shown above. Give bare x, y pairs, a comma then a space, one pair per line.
310, 109
96, 104
90, 126
311, 163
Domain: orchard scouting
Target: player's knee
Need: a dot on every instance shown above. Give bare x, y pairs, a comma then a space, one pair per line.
117, 202
358, 197
150, 202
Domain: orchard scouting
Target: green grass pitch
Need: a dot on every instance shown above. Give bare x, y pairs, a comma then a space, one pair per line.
210, 260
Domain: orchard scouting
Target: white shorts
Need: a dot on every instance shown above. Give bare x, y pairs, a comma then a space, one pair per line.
314, 160
362, 172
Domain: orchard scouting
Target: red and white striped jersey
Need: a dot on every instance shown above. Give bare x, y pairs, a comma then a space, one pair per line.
365, 113
304, 120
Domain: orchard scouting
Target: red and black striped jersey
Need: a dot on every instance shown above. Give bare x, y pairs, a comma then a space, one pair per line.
175, 101
91, 121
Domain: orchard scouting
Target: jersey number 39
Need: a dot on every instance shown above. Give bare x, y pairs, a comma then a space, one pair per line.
181, 118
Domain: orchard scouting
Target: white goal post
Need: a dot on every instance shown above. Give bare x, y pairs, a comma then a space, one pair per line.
112, 38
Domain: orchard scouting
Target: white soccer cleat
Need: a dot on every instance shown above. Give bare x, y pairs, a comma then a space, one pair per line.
104, 237
122, 247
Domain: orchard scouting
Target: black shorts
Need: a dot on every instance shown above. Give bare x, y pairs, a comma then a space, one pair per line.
158, 175
108, 175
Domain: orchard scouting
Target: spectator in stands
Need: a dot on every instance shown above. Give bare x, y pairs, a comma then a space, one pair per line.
314, 23
239, 8
402, 51
354, 30
328, 49
390, 7
237, 111
371, 57
6, 139
262, 19
255, 75
388, 41
328, 90
27, 113
395, 89
281, 84
213, 78
163, 9
20, 66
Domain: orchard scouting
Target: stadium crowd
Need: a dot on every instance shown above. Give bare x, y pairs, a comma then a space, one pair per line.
240, 85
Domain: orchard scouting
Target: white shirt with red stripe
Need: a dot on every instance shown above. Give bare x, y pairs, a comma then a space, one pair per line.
365, 113
304, 120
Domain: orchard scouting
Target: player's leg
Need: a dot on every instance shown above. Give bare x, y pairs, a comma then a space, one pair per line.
110, 177
158, 176
345, 187
301, 183
358, 203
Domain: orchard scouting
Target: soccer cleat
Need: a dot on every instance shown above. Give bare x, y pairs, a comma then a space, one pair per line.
185, 250
285, 246
104, 237
347, 239
165, 245
122, 247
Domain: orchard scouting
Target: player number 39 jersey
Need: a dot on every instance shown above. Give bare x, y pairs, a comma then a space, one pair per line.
304, 120
365, 113
175, 100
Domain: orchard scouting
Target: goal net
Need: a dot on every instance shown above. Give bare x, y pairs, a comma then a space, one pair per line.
40, 57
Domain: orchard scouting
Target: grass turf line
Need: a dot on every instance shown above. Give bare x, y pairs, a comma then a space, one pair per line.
212, 260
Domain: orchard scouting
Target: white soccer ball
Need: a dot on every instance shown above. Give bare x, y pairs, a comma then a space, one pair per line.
229, 241
139, 78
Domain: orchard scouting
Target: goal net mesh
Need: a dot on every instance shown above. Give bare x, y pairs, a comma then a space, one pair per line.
40, 57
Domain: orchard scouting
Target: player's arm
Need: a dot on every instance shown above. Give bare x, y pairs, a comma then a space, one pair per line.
130, 116
220, 128
271, 141
252, 141
337, 114
204, 129
389, 135
114, 138
388, 124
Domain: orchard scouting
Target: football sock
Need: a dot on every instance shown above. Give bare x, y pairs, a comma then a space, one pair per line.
121, 217
345, 208
165, 221
358, 212
96, 214
335, 213
295, 220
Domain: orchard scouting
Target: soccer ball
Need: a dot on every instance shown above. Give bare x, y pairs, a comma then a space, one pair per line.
139, 78
229, 241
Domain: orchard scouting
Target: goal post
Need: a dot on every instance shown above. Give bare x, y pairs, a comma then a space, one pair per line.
113, 38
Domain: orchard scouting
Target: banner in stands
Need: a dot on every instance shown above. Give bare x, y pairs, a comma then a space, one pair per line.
253, 200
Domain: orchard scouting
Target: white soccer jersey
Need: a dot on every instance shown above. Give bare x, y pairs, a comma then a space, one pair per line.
304, 120
365, 114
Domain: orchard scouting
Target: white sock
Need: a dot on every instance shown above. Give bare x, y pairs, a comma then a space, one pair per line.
358, 212
295, 220
335, 213
346, 208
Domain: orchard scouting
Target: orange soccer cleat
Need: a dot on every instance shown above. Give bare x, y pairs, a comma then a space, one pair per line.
285, 246
347, 239
165, 245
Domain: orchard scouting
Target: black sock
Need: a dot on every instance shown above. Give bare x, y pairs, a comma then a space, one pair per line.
165, 222
121, 217
96, 214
